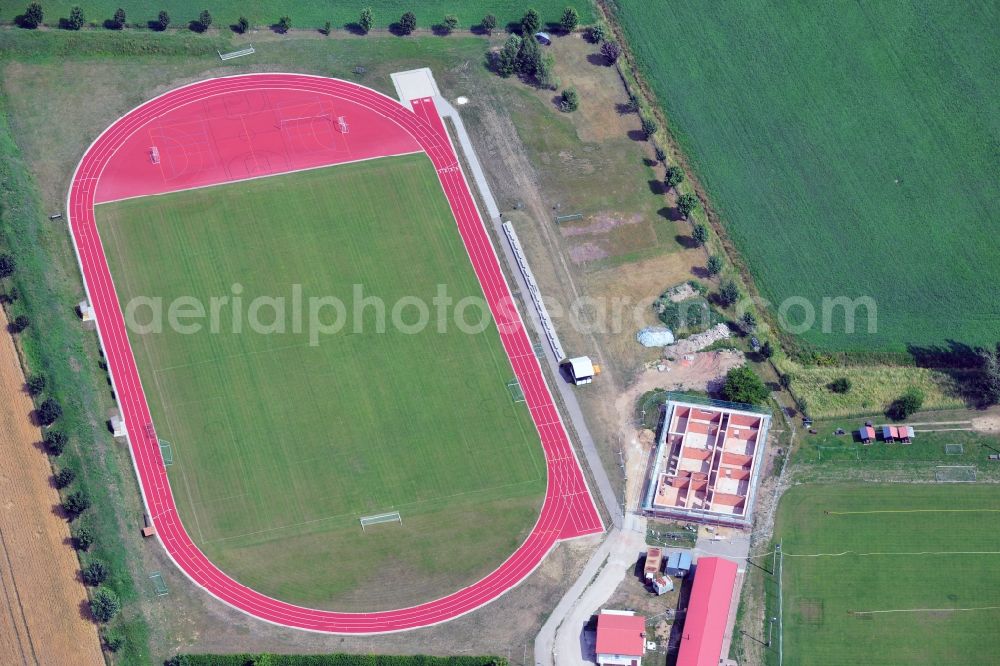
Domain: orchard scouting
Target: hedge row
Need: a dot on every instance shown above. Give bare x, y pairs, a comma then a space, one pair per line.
329, 660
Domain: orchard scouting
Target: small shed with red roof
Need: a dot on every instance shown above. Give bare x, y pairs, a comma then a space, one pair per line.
621, 638
707, 613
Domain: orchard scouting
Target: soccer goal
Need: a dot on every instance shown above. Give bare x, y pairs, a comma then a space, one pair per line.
167, 452
342, 125
154, 154
516, 394
390, 517
954, 474
953, 449
159, 587
236, 54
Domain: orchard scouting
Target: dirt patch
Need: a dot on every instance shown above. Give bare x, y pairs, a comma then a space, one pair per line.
986, 424
598, 225
42, 620
581, 254
811, 611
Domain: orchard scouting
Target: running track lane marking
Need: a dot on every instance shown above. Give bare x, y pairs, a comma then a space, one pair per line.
568, 510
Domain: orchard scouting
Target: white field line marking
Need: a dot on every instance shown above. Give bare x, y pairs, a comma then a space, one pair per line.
925, 610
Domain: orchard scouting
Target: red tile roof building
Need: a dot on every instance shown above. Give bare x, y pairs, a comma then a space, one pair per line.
707, 612
621, 638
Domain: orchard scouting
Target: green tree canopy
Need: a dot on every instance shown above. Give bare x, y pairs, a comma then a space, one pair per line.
743, 385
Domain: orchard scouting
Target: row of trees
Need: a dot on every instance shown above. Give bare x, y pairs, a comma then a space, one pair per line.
104, 602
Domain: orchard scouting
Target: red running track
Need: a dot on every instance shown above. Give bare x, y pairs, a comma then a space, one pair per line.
118, 165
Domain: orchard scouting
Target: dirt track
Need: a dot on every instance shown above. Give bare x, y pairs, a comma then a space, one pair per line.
41, 600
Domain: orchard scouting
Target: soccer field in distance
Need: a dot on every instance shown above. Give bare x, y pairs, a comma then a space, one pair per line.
280, 445
906, 574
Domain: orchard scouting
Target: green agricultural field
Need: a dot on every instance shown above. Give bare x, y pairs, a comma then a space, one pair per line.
921, 551
851, 150
280, 444
307, 14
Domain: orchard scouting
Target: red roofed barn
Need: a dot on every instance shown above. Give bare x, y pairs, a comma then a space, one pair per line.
707, 612
621, 638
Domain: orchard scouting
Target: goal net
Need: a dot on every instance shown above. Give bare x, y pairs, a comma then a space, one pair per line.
954, 474
390, 517
154, 154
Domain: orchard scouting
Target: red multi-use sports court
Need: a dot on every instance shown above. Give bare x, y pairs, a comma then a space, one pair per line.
251, 126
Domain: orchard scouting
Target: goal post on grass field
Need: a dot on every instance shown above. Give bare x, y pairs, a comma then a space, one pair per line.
516, 394
167, 452
389, 517
955, 474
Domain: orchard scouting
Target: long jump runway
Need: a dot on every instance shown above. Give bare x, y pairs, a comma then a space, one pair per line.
235, 128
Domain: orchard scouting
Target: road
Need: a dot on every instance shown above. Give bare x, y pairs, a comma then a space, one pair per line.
572, 406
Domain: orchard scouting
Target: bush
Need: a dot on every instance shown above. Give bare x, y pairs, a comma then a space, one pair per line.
449, 24
904, 406
76, 19
204, 20
118, 19
686, 203
49, 412
661, 155
649, 127
284, 24
63, 477
748, 322
35, 385
700, 234
105, 605
767, 351
367, 20
528, 59
674, 177
33, 16
570, 19
598, 33
714, 265
632, 105
505, 62
242, 25
94, 573
840, 385
327, 28
83, 539
570, 100
76, 503
530, 23
7, 266
162, 21
743, 385
55, 442
729, 293
488, 24
407, 23
113, 639
545, 72
20, 323
611, 51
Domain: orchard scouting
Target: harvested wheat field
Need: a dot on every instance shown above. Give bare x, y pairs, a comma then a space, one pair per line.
41, 599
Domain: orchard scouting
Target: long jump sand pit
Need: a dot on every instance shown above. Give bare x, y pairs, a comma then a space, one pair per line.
42, 603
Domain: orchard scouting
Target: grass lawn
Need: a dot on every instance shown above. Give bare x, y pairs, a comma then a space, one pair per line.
310, 13
281, 445
920, 556
850, 150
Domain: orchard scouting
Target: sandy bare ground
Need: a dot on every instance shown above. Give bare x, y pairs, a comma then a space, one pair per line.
698, 372
42, 602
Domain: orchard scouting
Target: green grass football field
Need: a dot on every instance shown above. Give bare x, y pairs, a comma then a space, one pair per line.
889, 574
851, 149
280, 445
